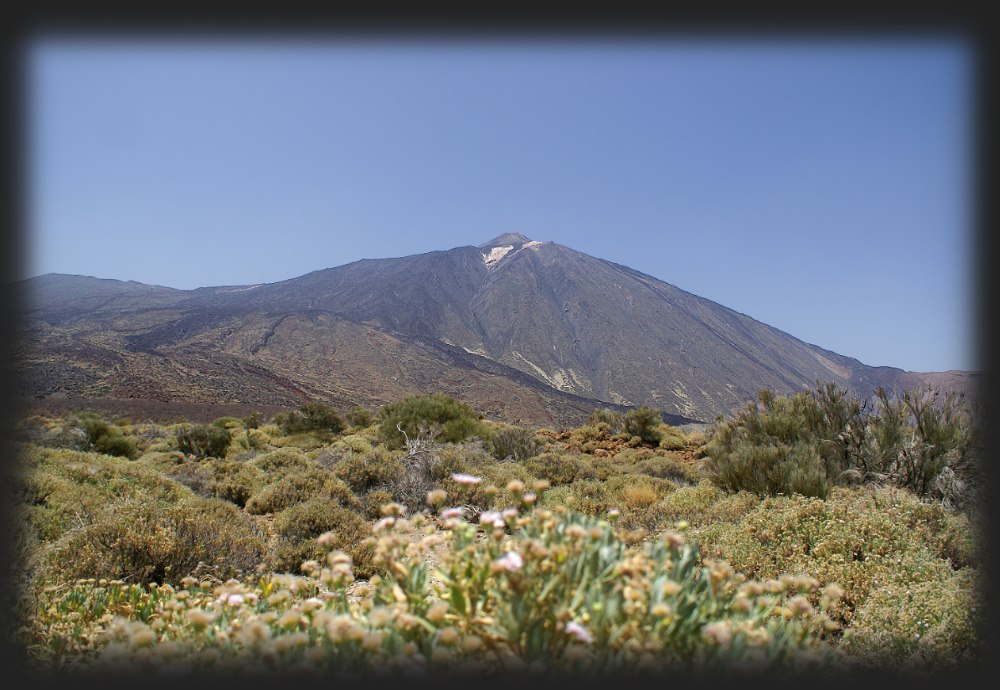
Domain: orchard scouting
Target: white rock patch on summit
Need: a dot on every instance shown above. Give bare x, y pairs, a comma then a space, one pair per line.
496, 254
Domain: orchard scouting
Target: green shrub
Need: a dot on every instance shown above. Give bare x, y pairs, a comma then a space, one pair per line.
360, 417
933, 625
565, 592
692, 504
672, 438
298, 527
203, 440
424, 417
614, 421
372, 502
589, 436
228, 423
812, 440
646, 423
313, 416
103, 437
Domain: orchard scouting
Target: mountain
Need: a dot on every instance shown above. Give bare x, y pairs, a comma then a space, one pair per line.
523, 330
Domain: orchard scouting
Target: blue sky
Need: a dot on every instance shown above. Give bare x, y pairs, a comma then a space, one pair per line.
822, 188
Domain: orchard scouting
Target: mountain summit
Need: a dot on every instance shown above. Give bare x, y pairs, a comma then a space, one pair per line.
523, 330
514, 239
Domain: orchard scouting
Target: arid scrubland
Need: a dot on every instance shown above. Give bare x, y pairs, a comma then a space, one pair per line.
806, 532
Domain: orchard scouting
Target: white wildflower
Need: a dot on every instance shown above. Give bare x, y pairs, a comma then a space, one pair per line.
511, 561
579, 632
465, 478
491, 517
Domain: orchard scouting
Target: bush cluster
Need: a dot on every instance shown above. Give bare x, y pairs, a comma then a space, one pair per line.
598, 573
908, 568
808, 442
143, 541
535, 591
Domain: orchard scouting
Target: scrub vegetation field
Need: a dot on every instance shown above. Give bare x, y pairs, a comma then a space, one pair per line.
809, 532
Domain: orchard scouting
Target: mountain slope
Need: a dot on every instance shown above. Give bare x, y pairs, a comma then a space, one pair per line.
503, 322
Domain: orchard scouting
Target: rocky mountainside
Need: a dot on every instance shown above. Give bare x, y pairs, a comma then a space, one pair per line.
523, 330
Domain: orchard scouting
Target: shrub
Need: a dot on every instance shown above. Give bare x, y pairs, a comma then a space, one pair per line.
463, 458
668, 468
101, 436
932, 625
672, 438
589, 437
696, 439
235, 482
298, 487
372, 502
514, 443
865, 541
614, 421
376, 469
203, 440
141, 541
360, 417
639, 496
693, 504
646, 423
565, 592
313, 416
342, 448
228, 423
436, 416
67, 488
774, 469
560, 468
298, 527
195, 475
282, 460
812, 440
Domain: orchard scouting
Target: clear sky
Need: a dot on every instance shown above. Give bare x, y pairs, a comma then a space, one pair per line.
822, 188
